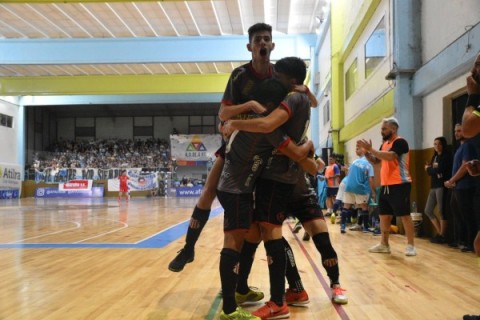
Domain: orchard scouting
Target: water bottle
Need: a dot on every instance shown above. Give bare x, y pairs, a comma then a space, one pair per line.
414, 206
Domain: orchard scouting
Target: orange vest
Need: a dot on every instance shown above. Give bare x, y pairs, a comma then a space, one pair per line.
395, 171
332, 180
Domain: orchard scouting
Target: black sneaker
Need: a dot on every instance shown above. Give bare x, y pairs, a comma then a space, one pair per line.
306, 237
453, 245
471, 317
183, 257
438, 239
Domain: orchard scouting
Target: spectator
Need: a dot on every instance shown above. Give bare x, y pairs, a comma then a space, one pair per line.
464, 189
396, 184
439, 169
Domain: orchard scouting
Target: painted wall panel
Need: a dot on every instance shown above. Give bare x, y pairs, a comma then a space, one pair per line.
443, 21
8, 136
433, 112
121, 128
371, 88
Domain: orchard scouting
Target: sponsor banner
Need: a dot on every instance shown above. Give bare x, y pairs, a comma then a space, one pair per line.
10, 176
10, 194
75, 185
94, 192
194, 147
138, 181
189, 191
60, 175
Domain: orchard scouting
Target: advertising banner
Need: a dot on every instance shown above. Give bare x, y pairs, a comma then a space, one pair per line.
138, 181
76, 185
194, 147
10, 194
94, 192
189, 191
10, 176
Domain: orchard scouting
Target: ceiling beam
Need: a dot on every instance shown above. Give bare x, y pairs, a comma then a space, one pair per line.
87, 1
146, 50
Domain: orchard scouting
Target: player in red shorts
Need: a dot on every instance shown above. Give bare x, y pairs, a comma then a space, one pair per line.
123, 186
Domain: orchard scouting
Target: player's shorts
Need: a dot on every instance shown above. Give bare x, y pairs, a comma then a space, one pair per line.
305, 209
332, 192
353, 198
271, 199
123, 189
395, 200
238, 210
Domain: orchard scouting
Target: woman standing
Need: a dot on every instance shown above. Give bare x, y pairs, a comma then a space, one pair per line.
439, 169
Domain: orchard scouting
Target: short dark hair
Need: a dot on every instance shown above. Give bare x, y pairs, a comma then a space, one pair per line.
292, 67
270, 93
258, 27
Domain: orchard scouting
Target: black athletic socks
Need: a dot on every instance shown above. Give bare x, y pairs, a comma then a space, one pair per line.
276, 258
228, 275
197, 222
246, 261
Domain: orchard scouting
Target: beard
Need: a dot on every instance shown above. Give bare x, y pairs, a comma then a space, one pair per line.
387, 136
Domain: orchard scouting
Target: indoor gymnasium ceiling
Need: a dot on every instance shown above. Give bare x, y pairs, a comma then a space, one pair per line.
70, 20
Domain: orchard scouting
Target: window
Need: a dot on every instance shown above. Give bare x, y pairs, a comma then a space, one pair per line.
202, 124
351, 79
375, 48
6, 121
326, 112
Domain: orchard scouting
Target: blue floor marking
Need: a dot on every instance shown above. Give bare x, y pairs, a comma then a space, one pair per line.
158, 240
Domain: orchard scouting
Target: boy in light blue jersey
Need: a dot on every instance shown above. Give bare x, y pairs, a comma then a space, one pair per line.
358, 189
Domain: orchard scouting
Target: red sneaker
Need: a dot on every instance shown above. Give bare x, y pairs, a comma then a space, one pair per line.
271, 311
296, 298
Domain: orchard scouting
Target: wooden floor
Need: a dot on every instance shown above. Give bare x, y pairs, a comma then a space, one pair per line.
96, 259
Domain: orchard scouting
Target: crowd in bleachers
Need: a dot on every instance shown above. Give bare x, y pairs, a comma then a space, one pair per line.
105, 154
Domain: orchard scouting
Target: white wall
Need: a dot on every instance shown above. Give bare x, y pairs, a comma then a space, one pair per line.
443, 21
324, 61
374, 134
433, 111
371, 89
9, 136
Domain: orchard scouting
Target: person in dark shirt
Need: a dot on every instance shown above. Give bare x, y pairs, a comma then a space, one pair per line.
471, 129
440, 170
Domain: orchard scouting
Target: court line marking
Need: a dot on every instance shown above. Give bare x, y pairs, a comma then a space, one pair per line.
104, 233
338, 307
50, 233
156, 241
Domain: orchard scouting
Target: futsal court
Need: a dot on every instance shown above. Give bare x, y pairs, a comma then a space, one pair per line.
101, 259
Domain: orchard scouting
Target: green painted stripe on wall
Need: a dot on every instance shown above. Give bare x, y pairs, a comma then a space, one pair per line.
382, 108
129, 84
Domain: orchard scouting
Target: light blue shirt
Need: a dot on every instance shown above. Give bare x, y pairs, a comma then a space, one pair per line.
359, 175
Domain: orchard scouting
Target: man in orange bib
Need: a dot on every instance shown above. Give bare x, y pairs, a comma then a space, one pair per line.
396, 183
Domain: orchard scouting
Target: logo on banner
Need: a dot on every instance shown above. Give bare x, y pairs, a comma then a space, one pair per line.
10, 173
196, 148
75, 185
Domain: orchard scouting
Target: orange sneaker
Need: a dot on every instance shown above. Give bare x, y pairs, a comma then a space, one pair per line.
270, 311
296, 298
338, 296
